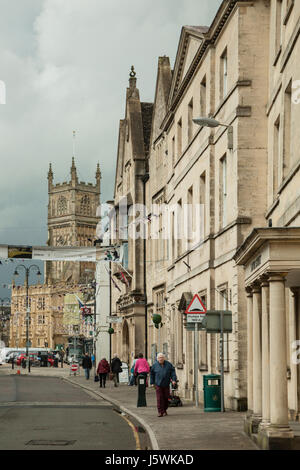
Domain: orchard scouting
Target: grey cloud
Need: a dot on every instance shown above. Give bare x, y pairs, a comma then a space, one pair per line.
66, 66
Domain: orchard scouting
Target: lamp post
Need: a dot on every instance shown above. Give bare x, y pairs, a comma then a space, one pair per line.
211, 122
94, 287
27, 271
4, 317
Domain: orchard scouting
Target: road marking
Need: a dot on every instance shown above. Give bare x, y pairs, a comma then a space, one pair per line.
135, 433
55, 404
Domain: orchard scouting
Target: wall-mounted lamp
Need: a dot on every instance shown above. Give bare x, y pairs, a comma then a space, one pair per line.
210, 122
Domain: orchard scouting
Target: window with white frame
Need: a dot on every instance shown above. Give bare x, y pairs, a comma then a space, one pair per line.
179, 138
202, 193
190, 120
278, 25
223, 74
223, 303
203, 341
223, 191
276, 153
203, 111
287, 129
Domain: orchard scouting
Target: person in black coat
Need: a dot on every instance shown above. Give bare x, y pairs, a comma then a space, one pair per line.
87, 365
116, 368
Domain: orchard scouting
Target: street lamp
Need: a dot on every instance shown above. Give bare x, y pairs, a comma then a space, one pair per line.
16, 273
211, 122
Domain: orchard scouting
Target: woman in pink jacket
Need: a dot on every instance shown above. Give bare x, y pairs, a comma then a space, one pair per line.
141, 366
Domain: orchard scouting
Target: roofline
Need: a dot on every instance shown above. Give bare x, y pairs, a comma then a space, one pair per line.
209, 39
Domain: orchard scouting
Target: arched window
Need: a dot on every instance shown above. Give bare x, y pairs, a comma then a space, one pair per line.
62, 206
85, 205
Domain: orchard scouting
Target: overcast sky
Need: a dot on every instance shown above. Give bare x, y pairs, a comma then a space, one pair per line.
66, 65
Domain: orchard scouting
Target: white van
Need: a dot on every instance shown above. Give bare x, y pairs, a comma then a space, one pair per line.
4, 353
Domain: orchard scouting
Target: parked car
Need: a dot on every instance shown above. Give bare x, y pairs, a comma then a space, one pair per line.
13, 354
46, 358
35, 360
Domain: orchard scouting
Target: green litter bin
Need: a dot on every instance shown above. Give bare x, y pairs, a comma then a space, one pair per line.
212, 392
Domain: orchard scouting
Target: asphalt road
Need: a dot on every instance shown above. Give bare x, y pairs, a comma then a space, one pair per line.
43, 413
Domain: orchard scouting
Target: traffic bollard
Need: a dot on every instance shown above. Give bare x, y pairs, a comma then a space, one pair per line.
142, 390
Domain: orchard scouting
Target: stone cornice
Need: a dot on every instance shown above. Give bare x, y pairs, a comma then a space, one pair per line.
259, 236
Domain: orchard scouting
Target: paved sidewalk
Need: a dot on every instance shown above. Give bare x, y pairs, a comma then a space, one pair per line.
185, 428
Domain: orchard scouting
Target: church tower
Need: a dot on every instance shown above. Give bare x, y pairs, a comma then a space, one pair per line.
72, 221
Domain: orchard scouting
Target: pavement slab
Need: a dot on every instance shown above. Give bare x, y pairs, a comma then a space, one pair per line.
185, 428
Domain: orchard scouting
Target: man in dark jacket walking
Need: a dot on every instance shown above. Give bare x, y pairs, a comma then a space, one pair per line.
161, 374
87, 365
116, 368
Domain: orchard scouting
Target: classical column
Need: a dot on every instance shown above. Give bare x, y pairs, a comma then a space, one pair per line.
257, 366
265, 353
295, 314
249, 351
278, 359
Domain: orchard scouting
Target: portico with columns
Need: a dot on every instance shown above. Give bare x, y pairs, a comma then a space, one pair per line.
271, 260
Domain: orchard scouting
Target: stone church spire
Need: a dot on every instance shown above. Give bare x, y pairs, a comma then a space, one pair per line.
74, 178
98, 175
50, 177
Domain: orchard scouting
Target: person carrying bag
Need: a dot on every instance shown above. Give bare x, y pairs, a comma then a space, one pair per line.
102, 371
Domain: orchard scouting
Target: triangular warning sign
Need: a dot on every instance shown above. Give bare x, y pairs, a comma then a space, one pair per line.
196, 306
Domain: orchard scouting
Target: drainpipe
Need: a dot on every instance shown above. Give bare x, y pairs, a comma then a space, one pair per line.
145, 179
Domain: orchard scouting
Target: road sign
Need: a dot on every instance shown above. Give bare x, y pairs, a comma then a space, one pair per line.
114, 319
195, 313
196, 310
28, 344
86, 310
195, 318
196, 306
212, 321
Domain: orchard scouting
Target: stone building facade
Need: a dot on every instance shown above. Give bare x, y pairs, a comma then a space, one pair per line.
45, 326
133, 149
213, 76
244, 173
270, 253
72, 220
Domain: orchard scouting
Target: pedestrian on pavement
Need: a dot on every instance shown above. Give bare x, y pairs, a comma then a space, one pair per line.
141, 366
102, 370
116, 368
62, 358
87, 365
132, 376
162, 373
93, 359
56, 359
